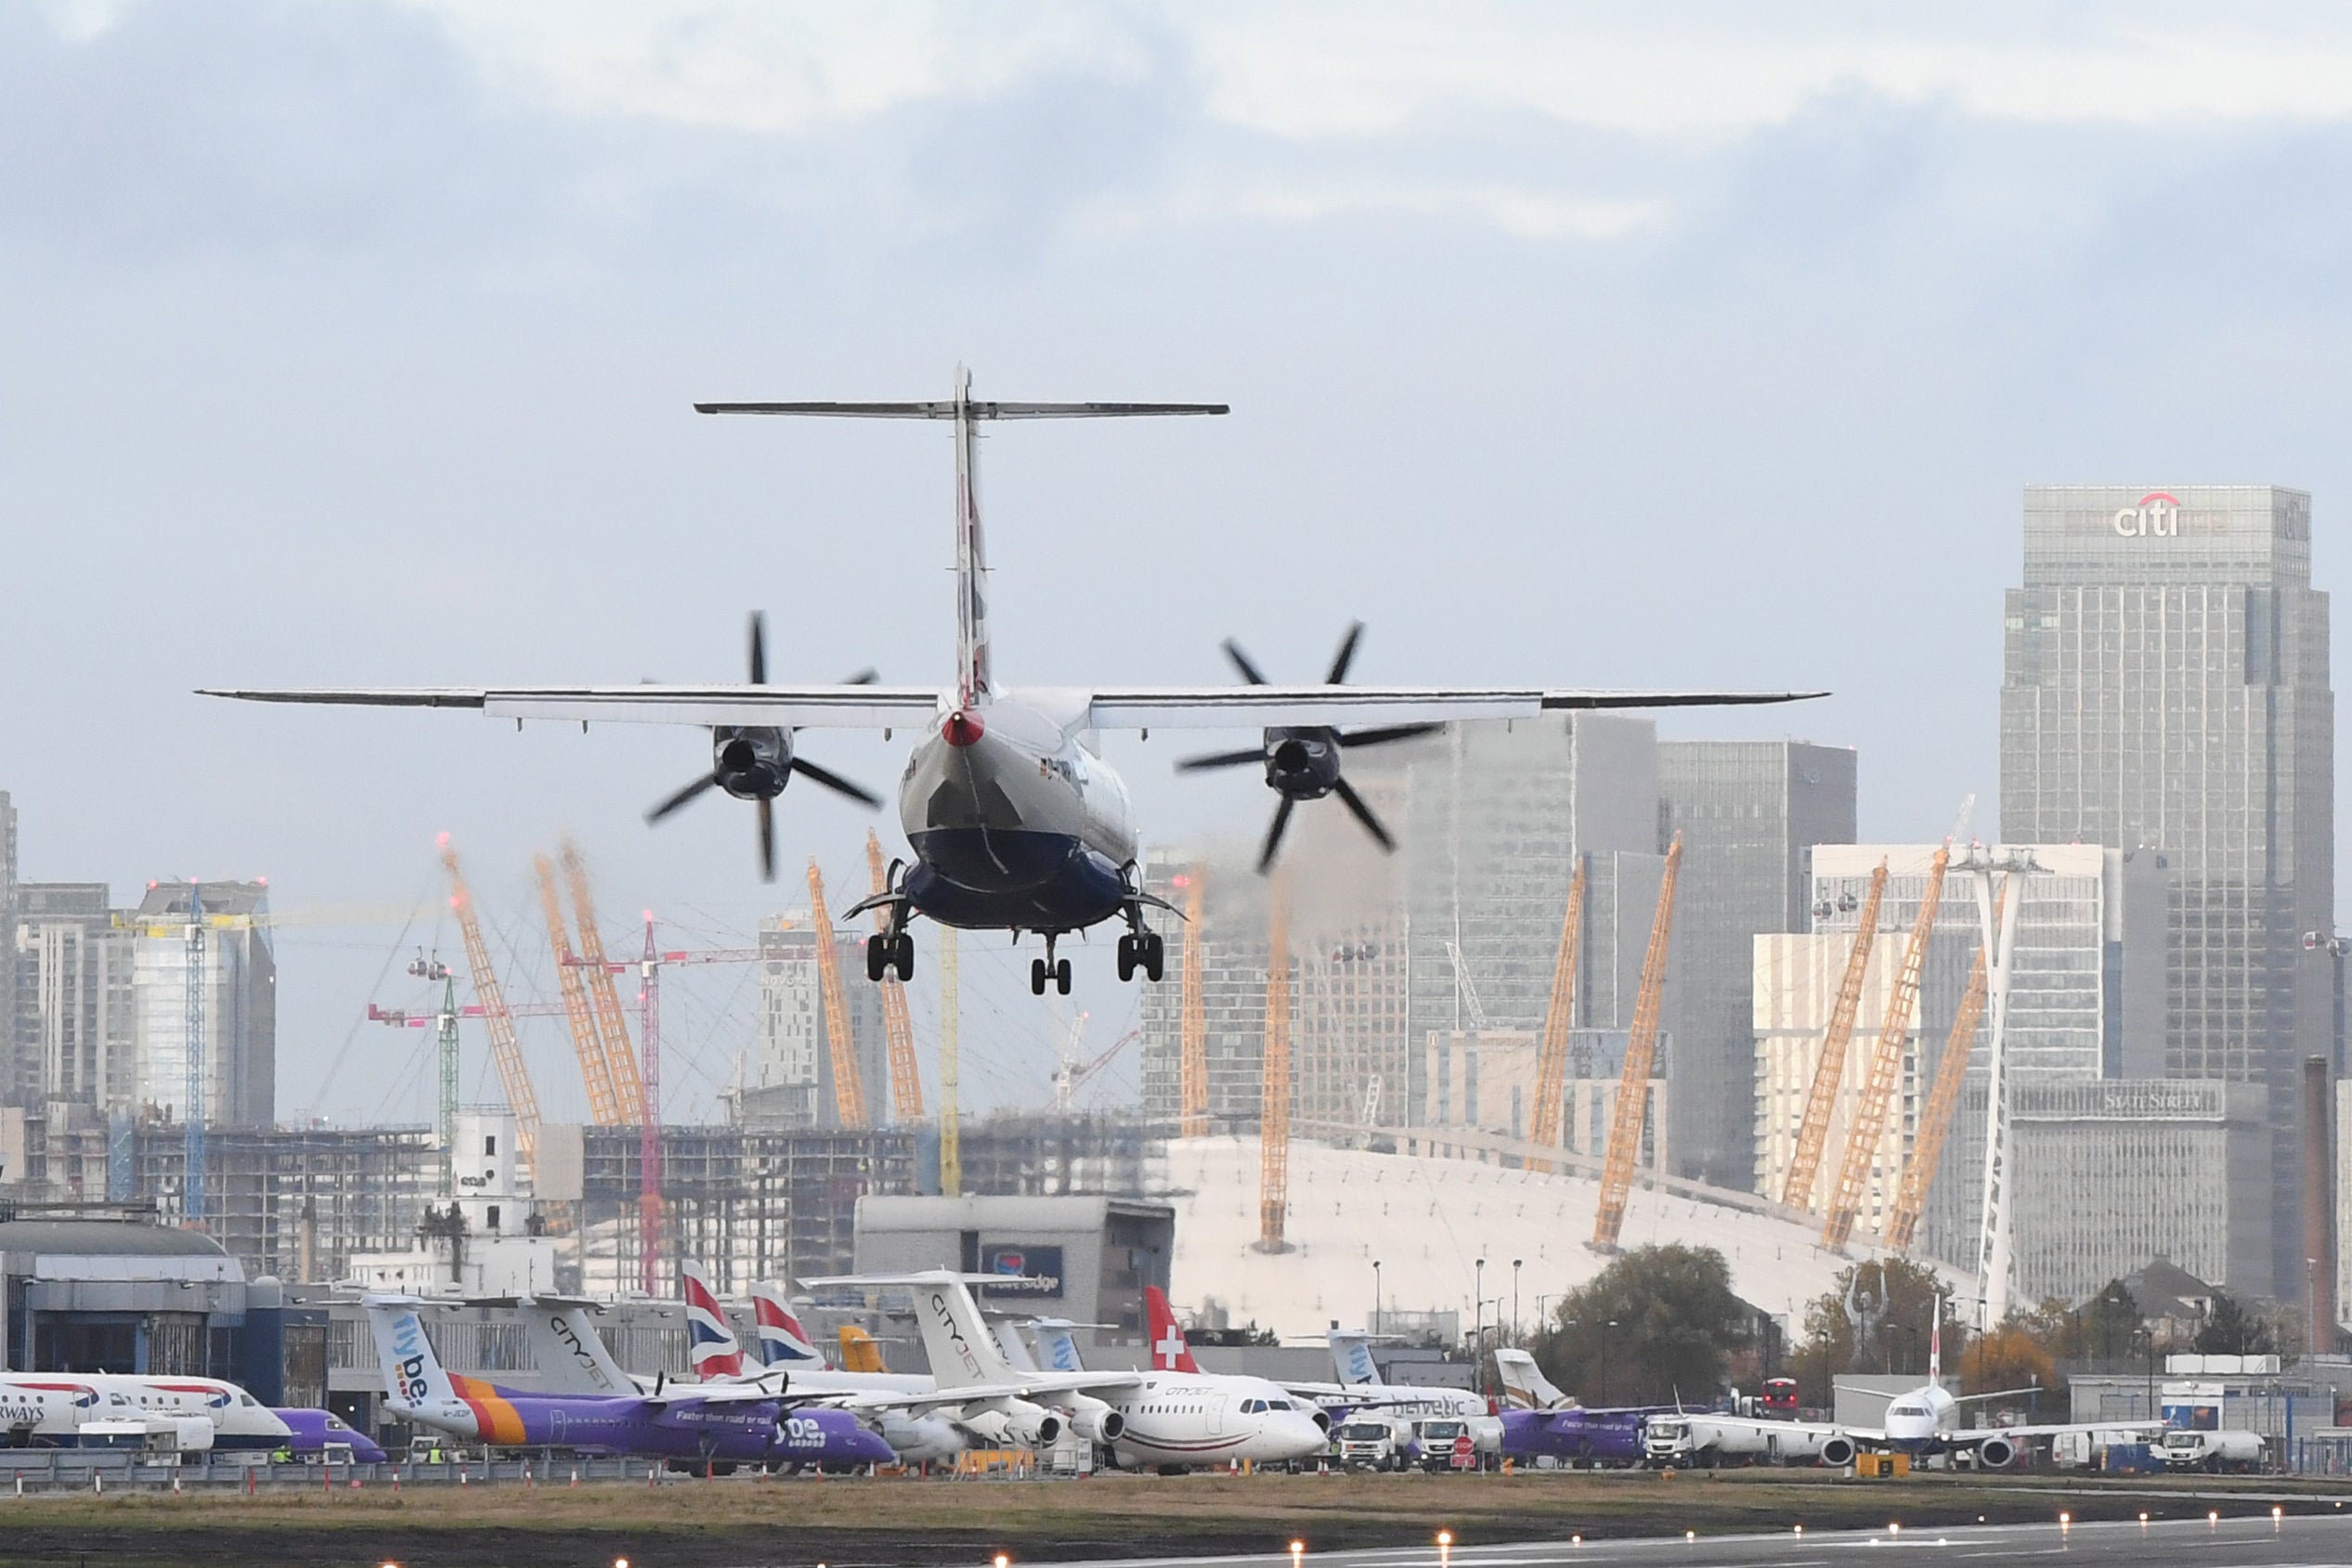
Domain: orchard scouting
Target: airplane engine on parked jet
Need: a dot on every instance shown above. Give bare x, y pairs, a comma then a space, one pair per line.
922, 1439
1093, 1419
1997, 1453
1015, 1424
1837, 1451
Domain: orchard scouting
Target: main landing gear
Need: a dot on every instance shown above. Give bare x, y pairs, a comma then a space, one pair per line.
1048, 967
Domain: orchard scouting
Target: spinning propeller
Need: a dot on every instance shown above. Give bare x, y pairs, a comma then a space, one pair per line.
1302, 762
754, 762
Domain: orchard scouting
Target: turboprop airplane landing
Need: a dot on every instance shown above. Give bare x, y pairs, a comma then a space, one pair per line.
1016, 822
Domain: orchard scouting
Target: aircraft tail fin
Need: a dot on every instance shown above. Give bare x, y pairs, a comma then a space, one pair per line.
961, 1348
1935, 1345
1018, 1355
1169, 1350
1352, 1355
858, 1353
570, 1355
1523, 1385
1057, 1344
711, 1338
783, 1342
412, 1373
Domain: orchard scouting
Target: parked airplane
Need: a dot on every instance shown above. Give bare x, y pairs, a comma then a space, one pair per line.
784, 1344
712, 1345
1016, 822
1169, 1419
318, 1432
739, 1425
57, 1403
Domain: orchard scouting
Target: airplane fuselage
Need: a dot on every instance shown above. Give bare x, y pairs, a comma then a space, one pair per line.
1205, 1418
750, 1432
1016, 822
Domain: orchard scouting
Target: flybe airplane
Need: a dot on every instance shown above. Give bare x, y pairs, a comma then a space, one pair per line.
1016, 822
746, 1425
1172, 1421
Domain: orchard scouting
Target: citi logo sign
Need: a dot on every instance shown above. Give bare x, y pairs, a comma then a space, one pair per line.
2156, 516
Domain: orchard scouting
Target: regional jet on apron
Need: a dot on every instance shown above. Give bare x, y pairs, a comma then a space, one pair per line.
1015, 823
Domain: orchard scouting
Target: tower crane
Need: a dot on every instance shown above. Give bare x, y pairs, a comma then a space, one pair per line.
1192, 1077
1641, 1051
1274, 1104
604, 1110
1943, 1103
612, 1024
1886, 1066
1066, 1061
1830, 1072
506, 1052
906, 1082
1559, 1019
848, 1084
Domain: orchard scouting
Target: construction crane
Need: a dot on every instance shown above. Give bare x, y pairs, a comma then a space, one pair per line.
612, 1024
1886, 1066
444, 1023
1071, 1078
906, 1082
506, 1052
1942, 1104
1830, 1072
848, 1084
1193, 1075
951, 1132
1274, 1104
1074, 1034
1633, 1083
1559, 1019
604, 1110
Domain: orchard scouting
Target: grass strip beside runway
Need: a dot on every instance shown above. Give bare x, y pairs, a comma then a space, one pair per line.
849, 1523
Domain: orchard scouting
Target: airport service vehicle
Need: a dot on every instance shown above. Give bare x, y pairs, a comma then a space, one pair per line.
1171, 1419
2212, 1450
1441, 1443
1368, 1442
1702, 1441
322, 1434
1016, 822
1778, 1401
732, 1425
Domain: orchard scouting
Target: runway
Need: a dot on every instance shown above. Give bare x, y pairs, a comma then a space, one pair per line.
2257, 1542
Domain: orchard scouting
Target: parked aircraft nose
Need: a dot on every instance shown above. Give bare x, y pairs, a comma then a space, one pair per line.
1295, 1435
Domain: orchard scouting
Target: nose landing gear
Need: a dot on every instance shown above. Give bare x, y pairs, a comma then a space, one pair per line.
1142, 950
891, 949
1049, 969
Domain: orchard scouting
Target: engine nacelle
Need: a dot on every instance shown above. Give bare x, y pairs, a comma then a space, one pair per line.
1837, 1451
1015, 1424
1997, 1453
1301, 763
753, 762
922, 1439
1093, 1419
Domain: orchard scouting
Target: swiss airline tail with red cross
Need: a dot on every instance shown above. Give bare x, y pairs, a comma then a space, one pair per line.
1169, 1353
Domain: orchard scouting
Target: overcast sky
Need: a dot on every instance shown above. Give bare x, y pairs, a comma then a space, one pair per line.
1582, 345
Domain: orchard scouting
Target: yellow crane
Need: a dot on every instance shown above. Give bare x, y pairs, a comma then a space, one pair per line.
1830, 1072
1559, 1018
604, 1110
506, 1052
1633, 1083
1273, 1106
951, 1133
1943, 1103
612, 1024
1192, 1082
848, 1084
906, 1083
1886, 1066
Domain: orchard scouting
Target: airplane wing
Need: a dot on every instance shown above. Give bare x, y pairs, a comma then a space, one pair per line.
979, 1393
1864, 1435
1978, 1435
799, 707
1210, 707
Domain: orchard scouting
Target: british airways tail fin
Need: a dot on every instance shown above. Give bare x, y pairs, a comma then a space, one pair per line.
973, 679
711, 1338
783, 1342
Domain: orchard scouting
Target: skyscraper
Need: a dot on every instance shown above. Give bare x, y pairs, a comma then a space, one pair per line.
2165, 688
1750, 812
235, 1003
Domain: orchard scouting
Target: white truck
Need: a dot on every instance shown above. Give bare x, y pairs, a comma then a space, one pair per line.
2212, 1450
1368, 1442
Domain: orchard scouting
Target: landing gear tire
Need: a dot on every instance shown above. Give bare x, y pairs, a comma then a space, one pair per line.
1061, 975
1155, 956
905, 955
1036, 977
888, 951
878, 957
1144, 951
